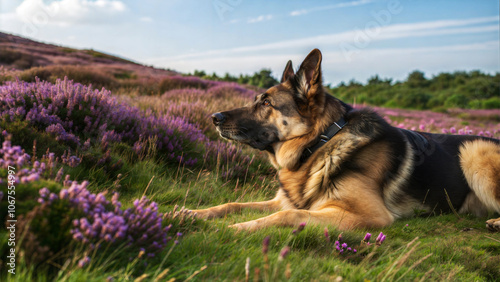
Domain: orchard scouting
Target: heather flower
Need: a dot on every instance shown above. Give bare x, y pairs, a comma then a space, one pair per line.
83, 262
265, 244
327, 236
367, 237
300, 228
59, 174
106, 221
44, 192
380, 239
102, 117
284, 253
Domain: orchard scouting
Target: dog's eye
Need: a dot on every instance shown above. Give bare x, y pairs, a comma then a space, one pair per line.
266, 102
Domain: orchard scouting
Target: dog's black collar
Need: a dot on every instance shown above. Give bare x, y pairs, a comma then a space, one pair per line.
325, 137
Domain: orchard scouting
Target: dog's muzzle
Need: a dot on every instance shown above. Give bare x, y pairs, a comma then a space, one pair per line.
218, 118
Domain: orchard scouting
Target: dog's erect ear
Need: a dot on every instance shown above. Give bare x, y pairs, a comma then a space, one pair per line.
309, 74
288, 72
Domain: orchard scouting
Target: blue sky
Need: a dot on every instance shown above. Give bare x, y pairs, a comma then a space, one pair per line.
358, 38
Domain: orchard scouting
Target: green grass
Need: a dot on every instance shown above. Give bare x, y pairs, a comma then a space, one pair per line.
447, 248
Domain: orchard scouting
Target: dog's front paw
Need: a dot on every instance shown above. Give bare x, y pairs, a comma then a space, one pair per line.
493, 225
247, 226
186, 213
203, 214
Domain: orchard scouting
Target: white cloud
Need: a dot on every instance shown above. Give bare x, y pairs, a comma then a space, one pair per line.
69, 12
260, 18
330, 7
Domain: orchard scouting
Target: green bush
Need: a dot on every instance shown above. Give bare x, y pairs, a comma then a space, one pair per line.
456, 101
492, 103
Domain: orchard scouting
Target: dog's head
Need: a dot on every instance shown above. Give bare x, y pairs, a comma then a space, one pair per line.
289, 110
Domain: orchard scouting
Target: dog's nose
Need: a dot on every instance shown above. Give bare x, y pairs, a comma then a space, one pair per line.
218, 118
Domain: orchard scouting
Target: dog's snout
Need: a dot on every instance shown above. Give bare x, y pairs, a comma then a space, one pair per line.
218, 118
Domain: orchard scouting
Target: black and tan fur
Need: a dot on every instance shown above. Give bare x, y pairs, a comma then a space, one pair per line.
368, 174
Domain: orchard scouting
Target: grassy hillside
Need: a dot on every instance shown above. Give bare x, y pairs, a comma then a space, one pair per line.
100, 179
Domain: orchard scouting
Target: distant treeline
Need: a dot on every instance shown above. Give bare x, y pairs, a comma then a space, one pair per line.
262, 79
460, 89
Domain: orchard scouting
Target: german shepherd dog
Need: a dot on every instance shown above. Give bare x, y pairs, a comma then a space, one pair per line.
349, 168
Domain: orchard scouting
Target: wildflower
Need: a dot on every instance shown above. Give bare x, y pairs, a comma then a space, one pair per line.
83, 262
344, 245
339, 237
380, 239
367, 237
265, 245
284, 253
52, 197
300, 228
44, 192
327, 236
59, 174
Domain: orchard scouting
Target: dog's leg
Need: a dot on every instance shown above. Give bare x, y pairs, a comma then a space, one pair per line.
222, 210
328, 216
480, 161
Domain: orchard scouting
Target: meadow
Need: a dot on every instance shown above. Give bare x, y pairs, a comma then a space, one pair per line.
103, 180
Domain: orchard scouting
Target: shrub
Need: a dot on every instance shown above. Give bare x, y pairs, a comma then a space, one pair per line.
492, 103
456, 101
